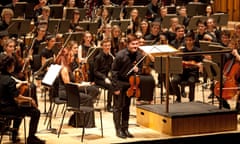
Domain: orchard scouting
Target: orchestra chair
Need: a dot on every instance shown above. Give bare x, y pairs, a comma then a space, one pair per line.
74, 105
5, 125
105, 92
55, 100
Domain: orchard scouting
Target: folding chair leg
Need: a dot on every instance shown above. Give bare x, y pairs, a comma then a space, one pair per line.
83, 129
56, 111
101, 123
59, 131
25, 131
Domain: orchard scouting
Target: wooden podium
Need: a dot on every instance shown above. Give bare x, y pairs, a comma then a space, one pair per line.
184, 118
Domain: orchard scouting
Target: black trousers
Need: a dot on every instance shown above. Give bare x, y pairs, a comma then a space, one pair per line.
121, 105
108, 87
32, 112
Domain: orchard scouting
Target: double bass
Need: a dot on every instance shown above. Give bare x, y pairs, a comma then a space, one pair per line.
230, 75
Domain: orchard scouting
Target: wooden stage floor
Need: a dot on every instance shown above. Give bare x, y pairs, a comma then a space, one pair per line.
72, 135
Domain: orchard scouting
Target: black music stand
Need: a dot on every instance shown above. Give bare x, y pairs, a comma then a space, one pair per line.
53, 25
195, 9
20, 9
175, 67
142, 11
193, 22
93, 27
56, 11
171, 9
48, 81
64, 26
167, 20
204, 45
221, 19
29, 13
84, 25
76, 36
19, 27
123, 24
69, 13
114, 12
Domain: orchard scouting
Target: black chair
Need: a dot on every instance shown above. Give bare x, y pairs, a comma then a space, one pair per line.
5, 125
73, 104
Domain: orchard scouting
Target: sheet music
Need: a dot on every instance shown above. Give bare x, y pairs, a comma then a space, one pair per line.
158, 49
51, 74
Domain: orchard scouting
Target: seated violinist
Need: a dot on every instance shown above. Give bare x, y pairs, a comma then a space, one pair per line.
191, 67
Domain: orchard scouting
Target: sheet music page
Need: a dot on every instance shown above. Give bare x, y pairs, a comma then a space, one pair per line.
158, 49
51, 74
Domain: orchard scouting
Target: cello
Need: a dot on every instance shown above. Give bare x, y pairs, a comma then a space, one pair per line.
230, 76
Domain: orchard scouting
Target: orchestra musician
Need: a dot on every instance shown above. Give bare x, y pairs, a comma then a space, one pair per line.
191, 67
6, 18
22, 69
234, 70
65, 59
121, 67
147, 82
11, 100
101, 70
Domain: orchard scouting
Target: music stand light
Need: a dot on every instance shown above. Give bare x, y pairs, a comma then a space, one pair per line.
19, 9
56, 11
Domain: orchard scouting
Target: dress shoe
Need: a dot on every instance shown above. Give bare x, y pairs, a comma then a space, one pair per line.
34, 140
183, 94
128, 134
121, 134
109, 108
211, 96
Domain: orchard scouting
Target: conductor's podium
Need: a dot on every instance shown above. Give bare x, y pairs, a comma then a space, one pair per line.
186, 118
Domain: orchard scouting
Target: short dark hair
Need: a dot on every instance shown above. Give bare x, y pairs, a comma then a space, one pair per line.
5, 62
131, 37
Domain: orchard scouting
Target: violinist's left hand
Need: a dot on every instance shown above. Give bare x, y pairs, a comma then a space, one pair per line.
135, 69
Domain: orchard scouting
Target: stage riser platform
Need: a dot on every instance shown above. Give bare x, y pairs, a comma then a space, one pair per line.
175, 124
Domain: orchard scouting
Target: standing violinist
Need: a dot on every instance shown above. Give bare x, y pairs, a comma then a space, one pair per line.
124, 66
101, 70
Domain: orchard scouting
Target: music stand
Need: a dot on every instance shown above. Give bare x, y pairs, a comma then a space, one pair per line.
195, 9
29, 13
76, 36
53, 25
167, 20
204, 45
20, 9
93, 27
223, 20
175, 66
193, 22
123, 24
48, 80
24, 27
64, 26
84, 25
114, 12
69, 13
142, 11
171, 9
56, 11
13, 28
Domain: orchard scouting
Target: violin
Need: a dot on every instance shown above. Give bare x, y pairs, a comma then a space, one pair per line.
134, 90
230, 86
81, 74
146, 69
